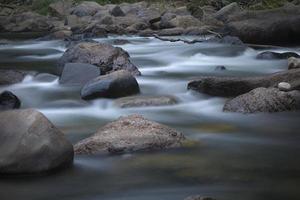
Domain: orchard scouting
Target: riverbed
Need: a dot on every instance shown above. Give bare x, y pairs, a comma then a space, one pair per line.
232, 156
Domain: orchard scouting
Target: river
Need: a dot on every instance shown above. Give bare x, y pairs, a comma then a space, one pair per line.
234, 156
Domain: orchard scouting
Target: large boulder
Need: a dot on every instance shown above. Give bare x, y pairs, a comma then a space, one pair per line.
105, 56
234, 86
30, 143
86, 8
275, 26
9, 101
264, 100
8, 77
130, 134
117, 84
78, 74
144, 101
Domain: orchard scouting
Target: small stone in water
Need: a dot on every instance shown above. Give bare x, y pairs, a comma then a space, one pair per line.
220, 68
284, 86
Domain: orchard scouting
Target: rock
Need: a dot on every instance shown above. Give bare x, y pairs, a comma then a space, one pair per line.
273, 26
230, 40
117, 12
78, 24
62, 34
293, 63
78, 74
284, 86
264, 100
165, 21
9, 101
144, 101
198, 197
220, 68
45, 77
60, 8
130, 134
274, 55
227, 10
35, 145
8, 77
195, 10
120, 42
185, 21
86, 8
114, 85
172, 32
234, 86
105, 56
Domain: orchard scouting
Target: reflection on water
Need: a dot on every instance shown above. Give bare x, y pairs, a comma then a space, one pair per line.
236, 157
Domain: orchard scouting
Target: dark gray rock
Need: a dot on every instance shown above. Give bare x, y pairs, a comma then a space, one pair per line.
273, 55
30, 143
8, 77
9, 101
234, 86
230, 40
220, 68
130, 134
144, 101
86, 8
117, 84
117, 12
105, 56
78, 74
264, 100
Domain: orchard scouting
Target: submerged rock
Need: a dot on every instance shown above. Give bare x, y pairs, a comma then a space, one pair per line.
30, 143
9, 101
105, 56
8, 77
78, 74
274, 55
293, 63
234, 86
130, 134
117, 84
264, 100
144, 101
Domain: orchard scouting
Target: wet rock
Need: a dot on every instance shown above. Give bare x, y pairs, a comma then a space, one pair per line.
264, 100
35, 145
273, 26
114, 85
230, 40
234, 86
9, 101
293, 63
144, 101
8, 77
220, 68
86, 8
171, 32
61, 34
105, 56
284, 86
274, 55
120, 42
78, 74
227, 10
198, 197
117, 12
130, 134
45, 77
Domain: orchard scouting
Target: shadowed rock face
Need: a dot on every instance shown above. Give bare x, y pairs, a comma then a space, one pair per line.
9, 101
105, 56
264, 100
130, 134
30, 143
234, 86
117, 84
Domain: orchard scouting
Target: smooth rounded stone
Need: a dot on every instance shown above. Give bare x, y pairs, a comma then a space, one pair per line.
227, 10
8, 77
114, 85
198, 197
117, 12
130, 134
86, 8
293, 63
30, 143
9, 101
45, 77
284, 86
144, 101
234, 86
105, 56
78, 74
220, 68
272, 26
266, 100
274, 55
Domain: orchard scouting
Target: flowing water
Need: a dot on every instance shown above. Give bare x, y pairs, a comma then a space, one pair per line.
240, 157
